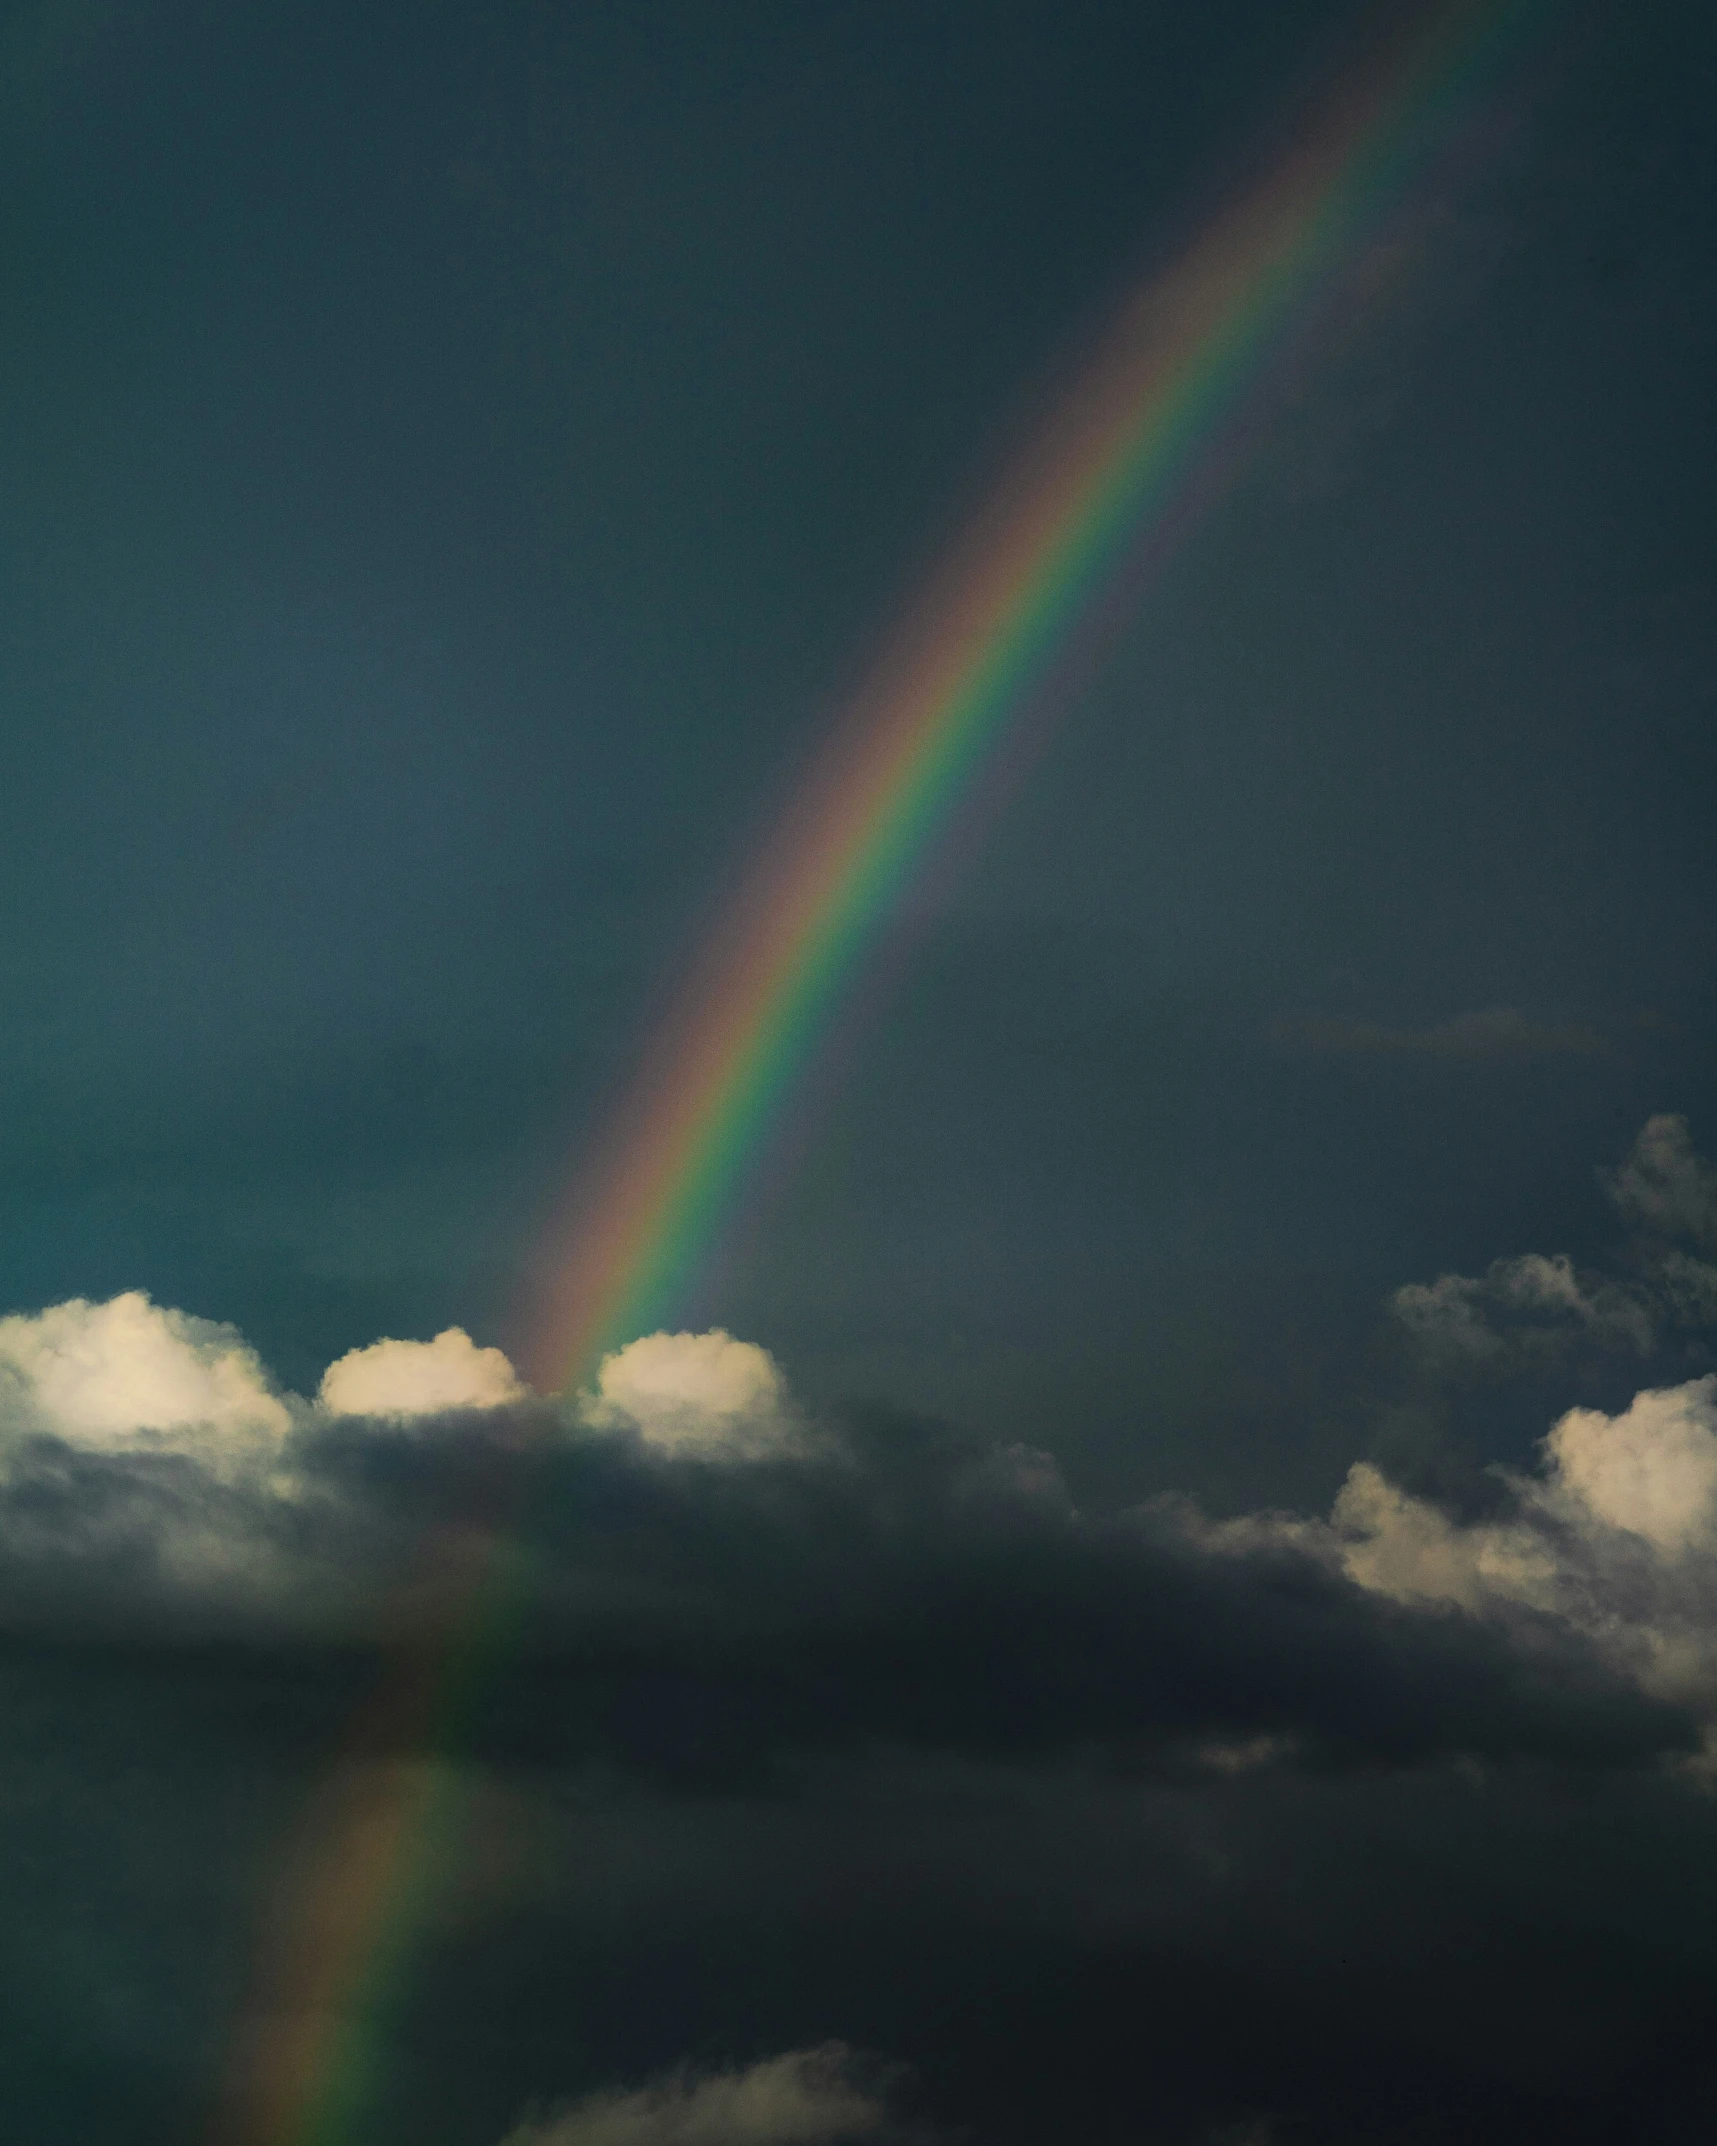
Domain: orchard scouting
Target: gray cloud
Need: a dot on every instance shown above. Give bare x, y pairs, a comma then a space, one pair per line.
791, 1700
1532, 1304
1535, 1308
1665, 1186
1614, 1535
882, 1579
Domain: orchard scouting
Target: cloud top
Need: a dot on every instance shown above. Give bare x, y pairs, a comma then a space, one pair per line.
128, 1373
1651, 1470
419, 1378
698, 1396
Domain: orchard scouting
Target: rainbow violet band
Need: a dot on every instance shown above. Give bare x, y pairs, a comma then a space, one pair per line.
1125, 455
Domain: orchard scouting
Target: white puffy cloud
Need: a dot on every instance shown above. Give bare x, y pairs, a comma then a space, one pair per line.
1651, 1471
698, 1396
808, 2097
190, 1482
1615, 1534
1406, 1547
419, 1378
179, 1462
130, 1375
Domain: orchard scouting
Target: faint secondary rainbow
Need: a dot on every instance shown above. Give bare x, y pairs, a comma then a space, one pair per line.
1126, 456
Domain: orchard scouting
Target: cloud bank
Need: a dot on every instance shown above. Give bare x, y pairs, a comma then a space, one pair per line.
727, 1581
866, 1721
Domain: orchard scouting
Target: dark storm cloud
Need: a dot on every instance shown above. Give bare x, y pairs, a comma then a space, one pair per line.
948, 1597
861, 1718
1115, 1960
1058, 1950
911, 1584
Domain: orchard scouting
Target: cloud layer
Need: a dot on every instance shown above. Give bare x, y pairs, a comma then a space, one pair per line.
1614, 1536
860, 1722
882, 1580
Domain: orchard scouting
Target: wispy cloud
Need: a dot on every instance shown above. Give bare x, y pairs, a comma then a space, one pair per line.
807, 2097
1665, 1186
871, 1664
1488, 1034
1536, 1306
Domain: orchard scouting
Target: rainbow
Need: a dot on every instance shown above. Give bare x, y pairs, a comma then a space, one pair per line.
1114, 474
1119, 467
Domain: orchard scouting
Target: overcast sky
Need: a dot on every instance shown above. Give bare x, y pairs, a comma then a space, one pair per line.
1168, 1590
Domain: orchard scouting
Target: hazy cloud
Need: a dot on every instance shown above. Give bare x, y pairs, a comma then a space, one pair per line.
808, 2097
1664, 1185
1538, 1306
1534, 1303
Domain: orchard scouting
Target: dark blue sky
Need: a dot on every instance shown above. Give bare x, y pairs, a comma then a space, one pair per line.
452, 457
